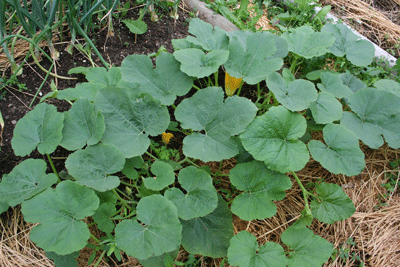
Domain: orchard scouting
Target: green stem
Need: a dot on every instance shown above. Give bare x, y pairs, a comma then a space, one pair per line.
195, 87
122, 193
44, 81
240, 89
121, 199
293, 64
187, 160
101, 257
305, 193
173, 106
95, 238
53, 167
258, 92
216, 78
152, 156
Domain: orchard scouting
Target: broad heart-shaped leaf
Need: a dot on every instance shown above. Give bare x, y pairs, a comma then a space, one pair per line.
102, 217
129, 119
332, 205
197, 64
98, 78
200, 198
352, 81
59, 212
136, 26
307, 43
274, 138
102, 76
245, 252
25, 181
261, 186
377, 112
164, 176
160, 260
209, 235
164, 83
326, 108
159, 231
82, 126
296, 95
250, 62
341, 154
64, 260
207, 36
359, 52
93, 165
41, 128
331, 82
389, 86
307, 249
220, 120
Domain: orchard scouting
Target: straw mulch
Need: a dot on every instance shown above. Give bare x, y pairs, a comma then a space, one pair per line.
381, 24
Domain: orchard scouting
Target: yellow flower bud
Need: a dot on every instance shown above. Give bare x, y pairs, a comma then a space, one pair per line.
166, 137
232, 84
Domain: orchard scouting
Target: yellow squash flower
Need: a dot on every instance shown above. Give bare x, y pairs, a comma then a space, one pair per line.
232, 84
166, 137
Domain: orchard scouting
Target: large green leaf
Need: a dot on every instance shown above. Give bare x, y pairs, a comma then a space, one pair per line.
102, 76
274, 139
98, 78
209, 235
358, 51
196, 63
93, 165
207, 36
389, 86
250, 61
59, 212
200, 198
164, 83
164, 176
326, 108
244, 251
25, 181
307, 249
63, 260
129, 119
82, 126
305, 42
102, 217
332, 204
159, 231
376, 113
352, 81
296, 95
41, 128
340, 153
261, 186
331, 82
206, 110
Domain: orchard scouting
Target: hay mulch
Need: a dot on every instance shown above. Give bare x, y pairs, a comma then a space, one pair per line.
379, 21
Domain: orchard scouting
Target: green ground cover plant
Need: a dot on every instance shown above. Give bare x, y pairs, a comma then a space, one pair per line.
149, 205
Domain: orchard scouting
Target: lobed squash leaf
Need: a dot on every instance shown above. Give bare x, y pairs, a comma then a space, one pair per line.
200, 198
244, 251
158, 232
261, 186
59, 212
274, 138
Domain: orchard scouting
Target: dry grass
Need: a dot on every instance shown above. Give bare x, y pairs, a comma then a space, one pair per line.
377, 26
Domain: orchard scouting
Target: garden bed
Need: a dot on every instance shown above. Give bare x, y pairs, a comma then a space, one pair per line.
351, 235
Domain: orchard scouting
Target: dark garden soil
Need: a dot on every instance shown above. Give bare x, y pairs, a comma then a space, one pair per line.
15, 104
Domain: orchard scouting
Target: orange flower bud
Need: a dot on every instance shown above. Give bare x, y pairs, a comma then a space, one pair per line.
166, 137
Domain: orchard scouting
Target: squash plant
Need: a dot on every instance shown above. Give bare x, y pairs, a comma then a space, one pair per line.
148, 207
